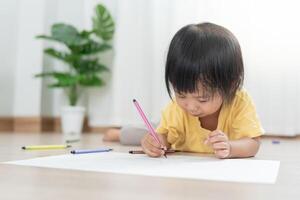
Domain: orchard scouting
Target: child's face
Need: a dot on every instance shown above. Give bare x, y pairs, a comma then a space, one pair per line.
199, 104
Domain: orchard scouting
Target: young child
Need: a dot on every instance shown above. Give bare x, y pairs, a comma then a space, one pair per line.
210, 113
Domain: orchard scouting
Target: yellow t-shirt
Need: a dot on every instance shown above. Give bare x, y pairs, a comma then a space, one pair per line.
184, 131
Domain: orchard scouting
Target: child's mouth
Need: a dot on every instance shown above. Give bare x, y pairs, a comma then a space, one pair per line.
197, 115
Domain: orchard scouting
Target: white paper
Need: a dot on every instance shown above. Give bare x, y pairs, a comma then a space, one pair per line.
177, 166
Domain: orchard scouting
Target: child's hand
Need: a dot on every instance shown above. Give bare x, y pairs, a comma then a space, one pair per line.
151, 147
220, 143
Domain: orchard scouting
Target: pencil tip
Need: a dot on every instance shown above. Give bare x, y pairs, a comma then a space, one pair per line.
134, 100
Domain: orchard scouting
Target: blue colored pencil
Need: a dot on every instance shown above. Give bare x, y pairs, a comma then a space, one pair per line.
82, 151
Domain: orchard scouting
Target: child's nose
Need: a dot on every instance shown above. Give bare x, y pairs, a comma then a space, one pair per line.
190, 107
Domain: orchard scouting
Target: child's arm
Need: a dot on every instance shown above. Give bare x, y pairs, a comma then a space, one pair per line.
245, 147
241, 148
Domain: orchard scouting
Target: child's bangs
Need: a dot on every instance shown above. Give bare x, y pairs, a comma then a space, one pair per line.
188, 79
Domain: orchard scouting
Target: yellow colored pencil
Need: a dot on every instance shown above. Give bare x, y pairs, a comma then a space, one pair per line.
45, 147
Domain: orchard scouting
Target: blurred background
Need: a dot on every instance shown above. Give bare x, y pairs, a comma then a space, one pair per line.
268, 32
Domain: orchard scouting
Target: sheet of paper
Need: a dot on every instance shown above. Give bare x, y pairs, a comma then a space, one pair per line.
178, 166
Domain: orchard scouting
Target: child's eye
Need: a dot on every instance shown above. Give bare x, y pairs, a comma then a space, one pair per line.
180, 95
202, 101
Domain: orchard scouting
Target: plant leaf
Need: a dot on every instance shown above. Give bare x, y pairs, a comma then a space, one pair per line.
46, 37
66, 34
90, 80
45, 74
91, 47
63, 79
103, 23
85, 34
58, 54
85, 66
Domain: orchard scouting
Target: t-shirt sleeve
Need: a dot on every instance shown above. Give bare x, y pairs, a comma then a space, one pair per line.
245, 119
171, 124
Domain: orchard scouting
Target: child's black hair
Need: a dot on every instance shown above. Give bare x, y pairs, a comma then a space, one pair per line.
208, 54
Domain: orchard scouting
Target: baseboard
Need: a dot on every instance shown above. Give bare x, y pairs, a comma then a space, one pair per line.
6, 124
27, 124
49, 124
281, 136
39, 124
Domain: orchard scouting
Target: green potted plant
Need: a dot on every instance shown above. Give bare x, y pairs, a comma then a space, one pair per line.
81, 55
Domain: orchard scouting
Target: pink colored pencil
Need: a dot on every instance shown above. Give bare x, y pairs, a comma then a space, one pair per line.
149, 126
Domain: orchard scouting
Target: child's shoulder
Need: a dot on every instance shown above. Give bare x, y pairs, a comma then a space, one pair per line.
241, 100
242, 95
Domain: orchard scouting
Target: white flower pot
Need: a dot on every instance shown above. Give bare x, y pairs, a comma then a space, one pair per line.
72, 121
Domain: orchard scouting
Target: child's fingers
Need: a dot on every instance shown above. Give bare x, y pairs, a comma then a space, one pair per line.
149, 140
220, 145
222, 153
152, 141
218, 138
152, 148
161, 138
216, 132
150, 153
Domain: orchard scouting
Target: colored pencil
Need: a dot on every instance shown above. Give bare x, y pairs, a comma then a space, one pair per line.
147, 123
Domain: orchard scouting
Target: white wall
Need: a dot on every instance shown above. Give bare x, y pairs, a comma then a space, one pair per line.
8, 43
27, 90
21, 57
